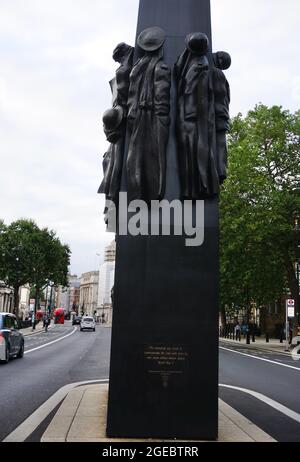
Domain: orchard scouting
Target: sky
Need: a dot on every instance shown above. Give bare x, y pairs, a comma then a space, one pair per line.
55, 65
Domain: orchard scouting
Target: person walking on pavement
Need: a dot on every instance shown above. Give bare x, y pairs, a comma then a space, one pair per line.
238, 331
46, 323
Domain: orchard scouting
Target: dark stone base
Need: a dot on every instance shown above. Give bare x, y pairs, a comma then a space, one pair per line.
164, 355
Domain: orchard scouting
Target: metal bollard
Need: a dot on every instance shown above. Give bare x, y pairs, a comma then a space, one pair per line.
253, 337
267, 337
248, 338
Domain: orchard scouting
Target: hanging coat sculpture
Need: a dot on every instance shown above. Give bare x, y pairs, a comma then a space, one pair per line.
222, 61
196, 123
114, 122
148, 119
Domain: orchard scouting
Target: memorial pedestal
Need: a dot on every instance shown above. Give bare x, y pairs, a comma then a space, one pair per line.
164, 353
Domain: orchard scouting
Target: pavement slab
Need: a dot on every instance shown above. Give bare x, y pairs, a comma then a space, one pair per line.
82, 418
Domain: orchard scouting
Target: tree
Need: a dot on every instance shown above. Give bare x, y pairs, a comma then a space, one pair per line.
17, 243
259, 203
51, 262
30, 255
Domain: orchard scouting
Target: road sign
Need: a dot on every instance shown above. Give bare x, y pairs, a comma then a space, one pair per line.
290, 307
291, 312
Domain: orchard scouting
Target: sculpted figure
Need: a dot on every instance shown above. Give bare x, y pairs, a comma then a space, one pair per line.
196, 120
222, 61
114, 123
202, 118
148, 119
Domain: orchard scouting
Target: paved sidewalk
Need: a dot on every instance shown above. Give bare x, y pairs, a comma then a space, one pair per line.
260, 343
82, 418
38, 328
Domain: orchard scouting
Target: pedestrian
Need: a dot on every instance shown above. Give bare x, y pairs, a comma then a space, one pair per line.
46, 323
238, 331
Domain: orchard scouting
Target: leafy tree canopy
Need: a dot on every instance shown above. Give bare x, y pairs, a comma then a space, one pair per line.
259, 203
30, 255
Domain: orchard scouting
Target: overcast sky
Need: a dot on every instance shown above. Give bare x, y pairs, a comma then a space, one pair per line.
55, 61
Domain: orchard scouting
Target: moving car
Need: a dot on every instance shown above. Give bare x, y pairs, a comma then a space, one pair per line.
76, 320
11, 339
87, 322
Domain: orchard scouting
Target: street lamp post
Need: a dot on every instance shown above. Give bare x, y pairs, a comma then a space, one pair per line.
46, 300
297, 240
248, 316
18, 248
103, 314
298, 281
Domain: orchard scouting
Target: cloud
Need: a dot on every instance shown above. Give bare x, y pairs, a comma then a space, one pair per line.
262, 37
55, 67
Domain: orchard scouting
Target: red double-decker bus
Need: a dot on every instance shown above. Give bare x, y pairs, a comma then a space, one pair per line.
59, 316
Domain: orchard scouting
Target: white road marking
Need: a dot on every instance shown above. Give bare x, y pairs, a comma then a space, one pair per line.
25, 429
50, 343
260, 359
256, 348
39, 332
279, 407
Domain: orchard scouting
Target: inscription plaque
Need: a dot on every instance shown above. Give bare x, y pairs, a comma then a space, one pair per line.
167, 363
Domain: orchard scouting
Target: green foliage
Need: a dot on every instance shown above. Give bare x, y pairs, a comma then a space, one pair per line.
30, 255
17, 248
259, 203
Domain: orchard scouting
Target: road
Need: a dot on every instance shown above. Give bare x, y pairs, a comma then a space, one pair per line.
266, 373
26, 383
65, 355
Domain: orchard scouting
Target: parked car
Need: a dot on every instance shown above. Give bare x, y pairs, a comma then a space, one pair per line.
87, 322
76, 320
11, 339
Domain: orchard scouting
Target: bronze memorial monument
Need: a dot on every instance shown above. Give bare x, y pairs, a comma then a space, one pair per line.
167, 133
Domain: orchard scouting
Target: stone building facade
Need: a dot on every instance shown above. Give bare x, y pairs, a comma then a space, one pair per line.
88, 299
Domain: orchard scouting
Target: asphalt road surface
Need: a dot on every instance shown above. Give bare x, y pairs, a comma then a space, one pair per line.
265, 373
26, 383
65, 355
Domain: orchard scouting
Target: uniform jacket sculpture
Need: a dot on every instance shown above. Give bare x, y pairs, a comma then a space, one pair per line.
139, 120
202, 119
148, 119
114, 123
221, 61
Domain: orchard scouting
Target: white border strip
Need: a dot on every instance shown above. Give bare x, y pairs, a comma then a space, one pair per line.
50, 343
39, 331
260, 359
274, 404
25, 429
254, 347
